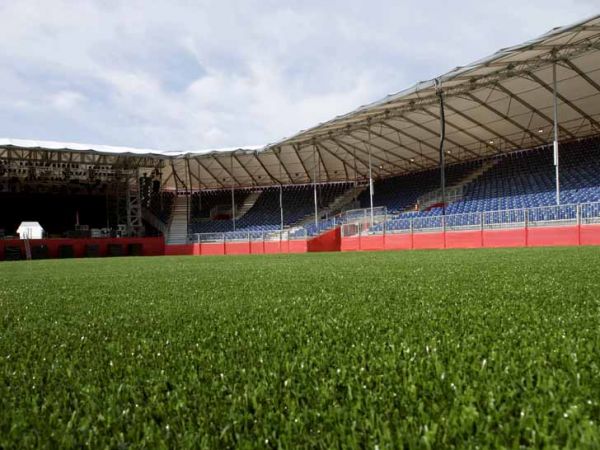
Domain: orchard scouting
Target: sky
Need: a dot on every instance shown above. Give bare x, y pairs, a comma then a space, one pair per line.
187, 75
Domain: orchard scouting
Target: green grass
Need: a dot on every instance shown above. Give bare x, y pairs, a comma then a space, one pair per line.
435, 349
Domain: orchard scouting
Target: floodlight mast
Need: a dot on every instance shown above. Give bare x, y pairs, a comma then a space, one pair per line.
440, 93
555, 117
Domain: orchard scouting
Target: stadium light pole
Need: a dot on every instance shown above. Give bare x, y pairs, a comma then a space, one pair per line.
370, 171
555, 146
440, 94
315, 184
232, 193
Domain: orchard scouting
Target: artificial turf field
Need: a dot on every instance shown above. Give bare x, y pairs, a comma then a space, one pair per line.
422, 349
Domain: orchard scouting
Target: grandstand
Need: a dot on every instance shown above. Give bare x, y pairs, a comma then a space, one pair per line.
508, 144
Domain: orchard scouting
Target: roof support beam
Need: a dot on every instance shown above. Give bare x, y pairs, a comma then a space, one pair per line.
562, 98
177, 177
365, 163
582, 74
477, 139
265, 168
322, 162
345, 164
297, 151
531, 108
414, 152
277, 153
207, 170
189, 173
505, 117
244, 167
197, 178
485, 127
366, 142
228, 172
429, 130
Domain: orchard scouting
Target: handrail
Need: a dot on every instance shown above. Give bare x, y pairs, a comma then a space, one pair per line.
494, 219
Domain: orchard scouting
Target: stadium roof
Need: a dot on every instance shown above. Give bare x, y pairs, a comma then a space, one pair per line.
497, 104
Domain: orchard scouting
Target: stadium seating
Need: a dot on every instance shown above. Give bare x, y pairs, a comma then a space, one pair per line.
161, 204
524, 179
402, 192
264, 215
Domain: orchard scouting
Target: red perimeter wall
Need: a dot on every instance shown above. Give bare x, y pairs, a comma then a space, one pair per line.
329, 241
238, 248
530, 237
150, 246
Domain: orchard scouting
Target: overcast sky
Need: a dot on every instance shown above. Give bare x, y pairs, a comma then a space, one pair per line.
194, 74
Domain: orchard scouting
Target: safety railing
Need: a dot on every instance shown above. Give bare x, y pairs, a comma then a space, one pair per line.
249, 236
558, 215
451, 194
358, 215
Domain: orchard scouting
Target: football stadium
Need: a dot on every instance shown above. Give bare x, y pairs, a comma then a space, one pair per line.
421, 272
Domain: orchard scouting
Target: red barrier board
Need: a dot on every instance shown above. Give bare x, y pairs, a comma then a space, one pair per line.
237, 248
330, 241
257, 247
522, 237
428, 240
217, 248
550, 236
464, 239
505, 238
398, 241
350, 244
372, 243
300, 246
589, 234
149, 246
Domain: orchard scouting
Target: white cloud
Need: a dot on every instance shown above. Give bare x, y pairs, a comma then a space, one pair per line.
66, 100
181, 75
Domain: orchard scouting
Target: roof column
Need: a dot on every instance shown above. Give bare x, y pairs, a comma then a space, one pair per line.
232, 194
440, 93
555, 118
315, 185
370, 169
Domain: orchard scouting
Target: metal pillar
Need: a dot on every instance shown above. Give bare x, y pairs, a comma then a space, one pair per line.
442, 139
315, 185
232, 194
281, 206
370, 173
555, 108
355, 179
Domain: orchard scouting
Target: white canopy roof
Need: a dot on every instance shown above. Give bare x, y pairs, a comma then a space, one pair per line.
498, 104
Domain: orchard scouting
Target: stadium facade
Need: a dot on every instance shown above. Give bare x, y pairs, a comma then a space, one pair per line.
501, 152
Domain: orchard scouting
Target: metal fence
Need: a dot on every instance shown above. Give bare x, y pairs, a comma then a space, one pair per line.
358, 223
357, 215
249, 236
586, 213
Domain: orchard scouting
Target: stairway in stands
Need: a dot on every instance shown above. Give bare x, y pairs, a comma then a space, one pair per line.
455, 191
178, 225
346, 201
248, 203
342, 202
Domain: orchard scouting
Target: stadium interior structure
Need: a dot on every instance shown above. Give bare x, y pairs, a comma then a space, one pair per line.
501, 152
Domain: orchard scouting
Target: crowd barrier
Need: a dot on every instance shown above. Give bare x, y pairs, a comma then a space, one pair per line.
560, 225
14, 249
